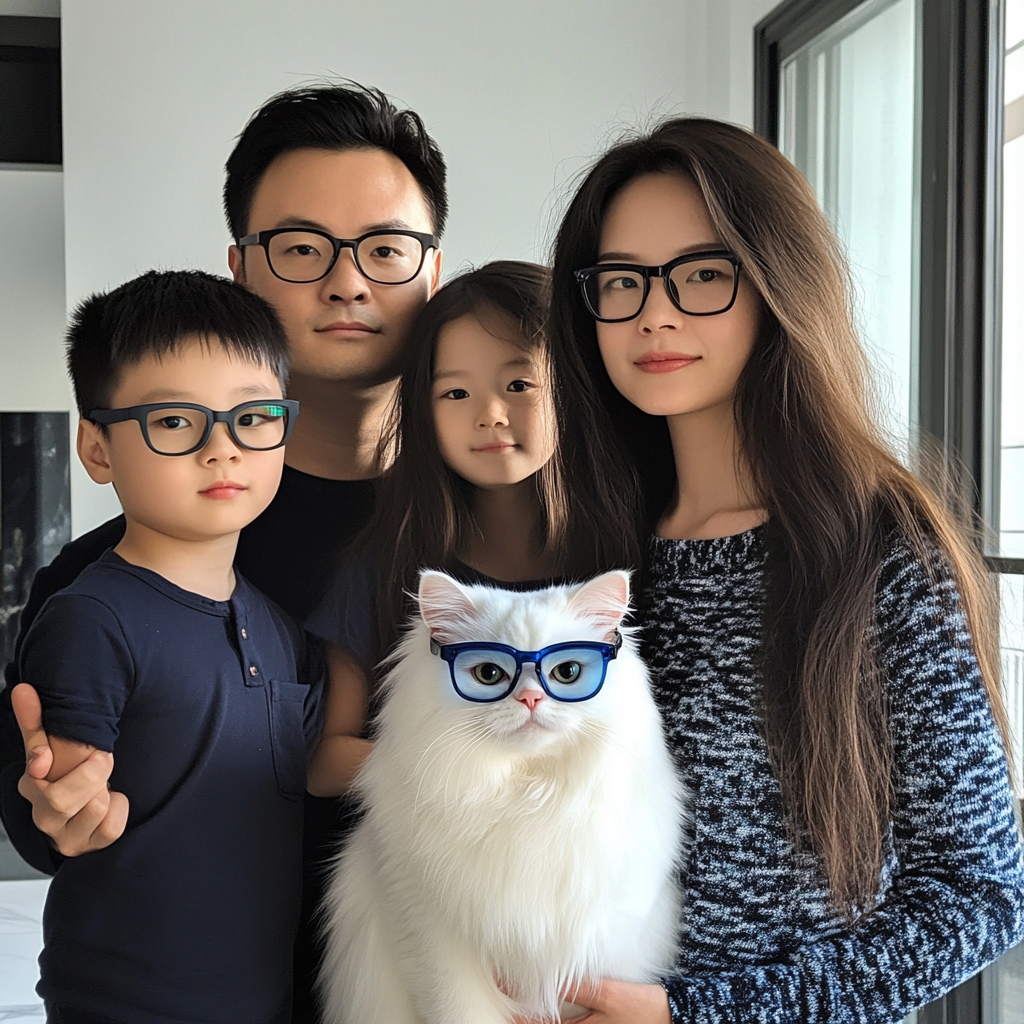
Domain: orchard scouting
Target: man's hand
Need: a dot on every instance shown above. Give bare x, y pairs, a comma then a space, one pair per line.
618, 1002
71, 801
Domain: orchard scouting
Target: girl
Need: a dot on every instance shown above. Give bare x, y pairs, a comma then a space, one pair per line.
477, 488
820, 630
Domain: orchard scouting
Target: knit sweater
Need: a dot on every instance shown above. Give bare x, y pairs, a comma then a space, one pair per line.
761, 941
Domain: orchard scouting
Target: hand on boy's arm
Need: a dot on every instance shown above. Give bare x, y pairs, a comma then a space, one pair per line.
341, 750
66, 783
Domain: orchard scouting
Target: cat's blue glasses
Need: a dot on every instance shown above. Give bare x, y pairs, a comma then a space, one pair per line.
485, 672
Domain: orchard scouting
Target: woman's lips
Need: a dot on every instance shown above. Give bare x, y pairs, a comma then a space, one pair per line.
222, 490
664, 362
497, 446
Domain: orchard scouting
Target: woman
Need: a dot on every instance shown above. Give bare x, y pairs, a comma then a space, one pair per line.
821, 631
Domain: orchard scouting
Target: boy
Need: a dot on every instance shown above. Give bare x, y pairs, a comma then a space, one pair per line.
345, 159
199, 686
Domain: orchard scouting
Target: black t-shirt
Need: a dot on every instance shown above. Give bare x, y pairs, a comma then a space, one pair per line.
192, 913
290, 552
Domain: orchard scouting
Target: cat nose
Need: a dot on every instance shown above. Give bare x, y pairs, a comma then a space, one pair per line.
531, 698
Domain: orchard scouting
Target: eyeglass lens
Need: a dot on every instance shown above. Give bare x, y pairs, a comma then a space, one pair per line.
302, 256
700, 286
175, 431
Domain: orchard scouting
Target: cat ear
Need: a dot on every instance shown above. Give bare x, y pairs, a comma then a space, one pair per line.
604, 600
444, 605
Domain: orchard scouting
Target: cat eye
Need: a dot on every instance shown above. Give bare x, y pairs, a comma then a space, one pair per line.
488, 673
485, 672
566, 672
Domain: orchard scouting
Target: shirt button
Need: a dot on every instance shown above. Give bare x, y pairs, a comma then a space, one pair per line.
253, 670
245, 636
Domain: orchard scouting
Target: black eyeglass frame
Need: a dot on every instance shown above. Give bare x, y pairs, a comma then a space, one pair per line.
263, 238
139, 413
449, 652
664, 272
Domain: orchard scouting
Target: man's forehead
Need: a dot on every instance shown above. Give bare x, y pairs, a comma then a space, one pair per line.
291, 220
341, 192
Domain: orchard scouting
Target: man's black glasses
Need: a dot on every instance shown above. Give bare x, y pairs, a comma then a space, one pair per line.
484, 672
181, 428
301, 256
699, 284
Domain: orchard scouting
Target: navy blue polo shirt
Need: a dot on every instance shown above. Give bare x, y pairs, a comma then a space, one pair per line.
208, 707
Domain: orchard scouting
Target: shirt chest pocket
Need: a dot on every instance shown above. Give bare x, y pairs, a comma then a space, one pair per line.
287, 735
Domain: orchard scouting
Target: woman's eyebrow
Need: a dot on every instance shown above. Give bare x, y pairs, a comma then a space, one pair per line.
631, 257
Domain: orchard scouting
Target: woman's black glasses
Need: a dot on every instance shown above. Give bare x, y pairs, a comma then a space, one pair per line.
699, 284
180, 428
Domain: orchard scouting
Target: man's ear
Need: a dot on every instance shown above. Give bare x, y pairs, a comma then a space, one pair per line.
236, 263
94, 451
434, 260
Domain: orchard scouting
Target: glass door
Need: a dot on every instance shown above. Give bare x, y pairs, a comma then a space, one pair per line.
1003, 983
907, 119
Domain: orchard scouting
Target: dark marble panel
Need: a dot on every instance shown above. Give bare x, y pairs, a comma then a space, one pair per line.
35, 507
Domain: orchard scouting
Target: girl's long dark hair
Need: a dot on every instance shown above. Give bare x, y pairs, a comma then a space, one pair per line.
834, 490
424, 509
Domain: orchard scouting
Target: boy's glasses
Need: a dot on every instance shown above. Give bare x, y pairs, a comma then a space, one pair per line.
486, 672
181, 428
304, 256
699, 284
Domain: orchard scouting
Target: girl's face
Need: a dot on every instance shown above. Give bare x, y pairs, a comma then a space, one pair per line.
665, 362
492, 405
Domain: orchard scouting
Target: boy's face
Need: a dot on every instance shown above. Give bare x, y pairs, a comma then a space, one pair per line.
210, 493
343, 327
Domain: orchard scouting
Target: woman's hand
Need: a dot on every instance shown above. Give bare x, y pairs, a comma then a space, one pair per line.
618, 1002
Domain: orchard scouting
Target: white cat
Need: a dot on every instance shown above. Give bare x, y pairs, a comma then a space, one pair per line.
513, 845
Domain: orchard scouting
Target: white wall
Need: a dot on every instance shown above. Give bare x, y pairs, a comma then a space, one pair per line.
520, 96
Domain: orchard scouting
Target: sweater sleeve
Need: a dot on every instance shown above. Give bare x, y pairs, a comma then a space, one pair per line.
955, 901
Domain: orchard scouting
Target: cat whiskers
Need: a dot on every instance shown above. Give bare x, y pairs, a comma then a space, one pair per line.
474, 732
483, 733
593, 730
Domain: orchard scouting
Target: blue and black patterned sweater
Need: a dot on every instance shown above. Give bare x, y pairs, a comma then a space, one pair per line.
761, 941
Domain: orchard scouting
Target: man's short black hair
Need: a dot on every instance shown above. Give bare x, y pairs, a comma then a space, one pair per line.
154, 314
331, 117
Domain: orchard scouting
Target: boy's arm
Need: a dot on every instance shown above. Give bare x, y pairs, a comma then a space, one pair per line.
341, 751
23, 742
83, 670
66, 785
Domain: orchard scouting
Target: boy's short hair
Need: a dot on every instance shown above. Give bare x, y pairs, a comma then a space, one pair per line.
331, 117
153, 315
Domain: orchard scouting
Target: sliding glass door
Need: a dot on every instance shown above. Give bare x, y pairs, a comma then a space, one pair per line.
907, 119
1003, 983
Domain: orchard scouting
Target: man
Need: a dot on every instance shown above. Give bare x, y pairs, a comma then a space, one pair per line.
336, 201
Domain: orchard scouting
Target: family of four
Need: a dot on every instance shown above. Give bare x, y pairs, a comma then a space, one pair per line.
682, 394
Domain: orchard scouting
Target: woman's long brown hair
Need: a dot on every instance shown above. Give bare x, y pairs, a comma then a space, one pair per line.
424, 510
835, 492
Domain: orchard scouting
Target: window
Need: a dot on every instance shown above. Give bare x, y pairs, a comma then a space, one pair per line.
907, 118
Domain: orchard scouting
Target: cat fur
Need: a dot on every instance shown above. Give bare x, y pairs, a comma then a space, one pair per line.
496, 854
